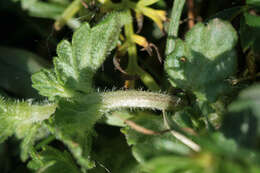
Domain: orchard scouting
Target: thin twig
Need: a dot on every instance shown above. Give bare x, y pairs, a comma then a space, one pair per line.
180, 137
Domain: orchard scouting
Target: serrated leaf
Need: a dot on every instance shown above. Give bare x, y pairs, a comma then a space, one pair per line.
51, 160
45, 81
202, 63
90, 47
145, 147
73, 124
77, 63
23, 120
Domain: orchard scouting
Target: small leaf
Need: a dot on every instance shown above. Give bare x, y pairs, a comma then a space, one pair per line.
202, 63
51, 160
47, 84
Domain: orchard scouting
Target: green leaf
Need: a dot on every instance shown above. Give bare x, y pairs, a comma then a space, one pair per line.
202, 63
145, 147
77, 63
23, 120
51, 160
90, 47
73, 124
17, 66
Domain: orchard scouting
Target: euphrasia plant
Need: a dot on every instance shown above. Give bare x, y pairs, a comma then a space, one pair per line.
185, 139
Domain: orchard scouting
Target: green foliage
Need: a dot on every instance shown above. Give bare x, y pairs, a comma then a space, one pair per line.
219, 155
51, 160
204, 128
73, 124
145, 147
74, 69
23, 119
202, 63
77, 62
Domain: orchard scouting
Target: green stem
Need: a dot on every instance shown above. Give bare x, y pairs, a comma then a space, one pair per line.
174, 25
68, 13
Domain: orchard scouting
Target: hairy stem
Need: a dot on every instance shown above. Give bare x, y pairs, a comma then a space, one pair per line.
140, 99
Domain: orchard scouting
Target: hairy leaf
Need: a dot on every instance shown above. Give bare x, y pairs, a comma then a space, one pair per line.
205, 59
77, 62
47, 84
23, 120
51, 160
